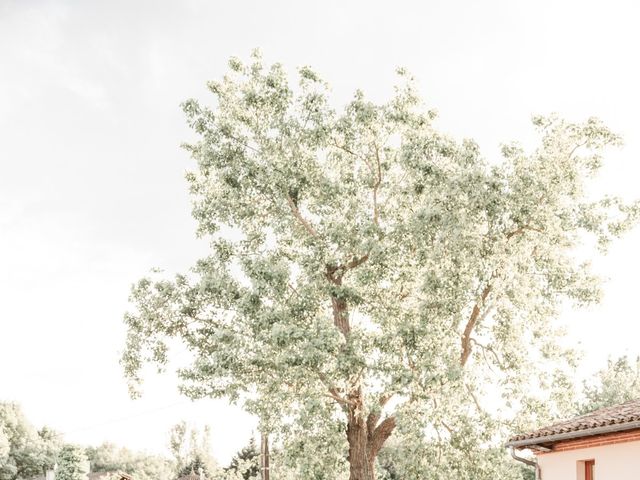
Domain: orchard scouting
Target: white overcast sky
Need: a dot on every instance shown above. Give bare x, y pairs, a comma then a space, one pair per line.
91, 174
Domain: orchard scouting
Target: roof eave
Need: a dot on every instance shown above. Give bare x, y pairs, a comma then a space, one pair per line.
541, 441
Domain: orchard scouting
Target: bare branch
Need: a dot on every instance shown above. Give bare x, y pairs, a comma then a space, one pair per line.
576, 147
339, 399
296, 213
293, 291
521, 230
486, 348
471, 323
447, 428
347, 150
474, 398
333, 391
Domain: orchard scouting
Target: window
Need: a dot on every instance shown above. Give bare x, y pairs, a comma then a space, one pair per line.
586, 470
589, 470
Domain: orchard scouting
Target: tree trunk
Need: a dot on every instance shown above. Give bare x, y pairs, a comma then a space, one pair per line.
366, 437
361, 460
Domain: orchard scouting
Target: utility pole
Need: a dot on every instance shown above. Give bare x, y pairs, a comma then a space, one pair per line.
264, 456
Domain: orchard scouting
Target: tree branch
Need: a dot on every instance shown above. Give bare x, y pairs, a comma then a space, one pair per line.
380, 435
576, 147
376, 185
475, 399
333, 391
346, 149
296, 213
486, 348
339, 399
338, 305
374, 416
242, 143
356, 262
384, 398
356, 380
372, 421
471, 323
521, 230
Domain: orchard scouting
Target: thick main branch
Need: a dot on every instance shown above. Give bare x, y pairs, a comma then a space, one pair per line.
338, 305
340, 315
380, 435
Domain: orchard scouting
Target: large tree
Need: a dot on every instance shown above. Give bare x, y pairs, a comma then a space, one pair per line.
367, 273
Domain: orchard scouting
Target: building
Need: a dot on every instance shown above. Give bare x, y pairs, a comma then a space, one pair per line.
601, 445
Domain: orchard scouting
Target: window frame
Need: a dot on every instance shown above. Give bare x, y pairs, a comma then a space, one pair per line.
588, 469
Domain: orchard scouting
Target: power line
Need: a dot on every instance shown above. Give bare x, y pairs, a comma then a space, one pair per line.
124, 419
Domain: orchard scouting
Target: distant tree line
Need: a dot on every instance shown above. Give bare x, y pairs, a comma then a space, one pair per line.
26, 452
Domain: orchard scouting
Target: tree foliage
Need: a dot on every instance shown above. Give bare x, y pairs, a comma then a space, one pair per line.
110, 458
617, 383
246, 463
24, 451
191, 450
73, 463
369, 275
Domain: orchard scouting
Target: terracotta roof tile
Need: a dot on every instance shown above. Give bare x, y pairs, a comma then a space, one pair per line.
626, 413
101, 475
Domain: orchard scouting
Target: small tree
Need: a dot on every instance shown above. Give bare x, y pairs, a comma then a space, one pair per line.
191, 450
370, 275
50, 444
246, 463
195, 466
73, 463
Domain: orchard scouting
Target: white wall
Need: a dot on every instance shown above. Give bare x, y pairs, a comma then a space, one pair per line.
613, 462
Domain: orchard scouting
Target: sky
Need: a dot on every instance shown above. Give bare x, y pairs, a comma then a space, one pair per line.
92, 190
